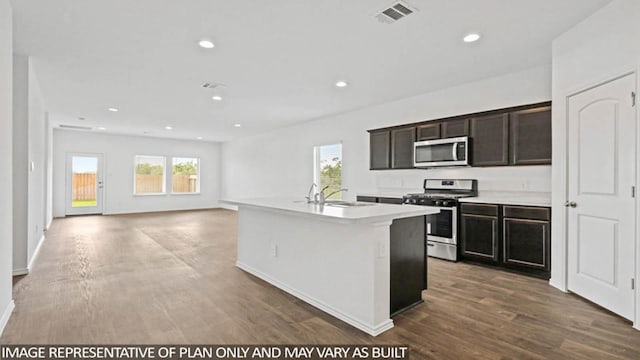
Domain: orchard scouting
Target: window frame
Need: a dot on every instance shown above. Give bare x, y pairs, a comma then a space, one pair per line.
197, 192
164, 175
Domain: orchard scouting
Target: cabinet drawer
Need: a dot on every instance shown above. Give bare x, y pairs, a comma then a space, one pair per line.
527, 212
480, 209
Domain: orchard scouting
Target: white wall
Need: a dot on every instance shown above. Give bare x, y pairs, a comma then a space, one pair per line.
20, 159
119, 152
29, 147
6, 208
37, 157
600, 48
279, 163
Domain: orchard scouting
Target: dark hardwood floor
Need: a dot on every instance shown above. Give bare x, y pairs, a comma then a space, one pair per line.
170, 278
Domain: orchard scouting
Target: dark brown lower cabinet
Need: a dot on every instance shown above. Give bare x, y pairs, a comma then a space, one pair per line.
526, 239
479, 228
516, 237
408, 270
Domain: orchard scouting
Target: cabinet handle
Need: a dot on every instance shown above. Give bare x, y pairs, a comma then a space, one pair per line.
572, 204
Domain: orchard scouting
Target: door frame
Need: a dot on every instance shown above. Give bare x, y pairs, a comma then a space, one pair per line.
560, 116
67, 182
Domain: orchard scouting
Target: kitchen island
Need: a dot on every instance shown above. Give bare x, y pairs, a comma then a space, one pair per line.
345, 259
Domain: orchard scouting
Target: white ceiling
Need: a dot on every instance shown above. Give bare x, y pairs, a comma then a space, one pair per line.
279, 58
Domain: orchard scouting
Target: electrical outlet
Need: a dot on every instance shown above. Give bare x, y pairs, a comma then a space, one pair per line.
274, 250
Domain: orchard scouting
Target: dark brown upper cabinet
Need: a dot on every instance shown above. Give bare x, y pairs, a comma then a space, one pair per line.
455, 128
402, 148
519, 135
379, 150
531, 136
428, 132
490, 140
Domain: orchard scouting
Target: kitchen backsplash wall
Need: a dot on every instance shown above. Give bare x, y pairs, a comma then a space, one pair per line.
521, 178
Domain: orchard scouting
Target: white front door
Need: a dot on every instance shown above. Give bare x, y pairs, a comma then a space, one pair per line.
601, 204
84, 184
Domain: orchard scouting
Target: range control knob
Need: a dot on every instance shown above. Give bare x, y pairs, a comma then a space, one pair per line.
438, 202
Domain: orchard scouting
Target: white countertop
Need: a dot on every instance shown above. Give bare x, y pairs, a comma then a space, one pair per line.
370, 213
511, 198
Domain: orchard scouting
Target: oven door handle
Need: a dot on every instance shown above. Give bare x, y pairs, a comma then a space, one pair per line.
455, 151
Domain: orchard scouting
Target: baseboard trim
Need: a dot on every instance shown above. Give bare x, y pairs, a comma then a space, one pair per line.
228, 207
19, 272
367, 328
35, 254
6, 315
558, 285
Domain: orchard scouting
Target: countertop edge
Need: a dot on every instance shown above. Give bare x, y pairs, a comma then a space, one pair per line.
381, 218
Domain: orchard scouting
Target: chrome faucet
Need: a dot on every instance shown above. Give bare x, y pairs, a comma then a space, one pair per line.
308, 197
319, 197
333, 193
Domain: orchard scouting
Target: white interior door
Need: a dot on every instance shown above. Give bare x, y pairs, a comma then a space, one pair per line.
84, 184
601, 204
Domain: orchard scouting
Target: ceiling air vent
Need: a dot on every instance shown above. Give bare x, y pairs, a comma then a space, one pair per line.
75, 127
395, 12
211, 85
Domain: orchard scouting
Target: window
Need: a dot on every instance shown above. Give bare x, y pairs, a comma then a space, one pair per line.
149, 175
328, 168
186, 175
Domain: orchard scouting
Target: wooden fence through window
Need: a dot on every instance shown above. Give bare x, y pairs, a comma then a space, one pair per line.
84, 186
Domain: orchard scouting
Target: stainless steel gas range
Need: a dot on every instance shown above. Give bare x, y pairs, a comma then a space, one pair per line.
441, 230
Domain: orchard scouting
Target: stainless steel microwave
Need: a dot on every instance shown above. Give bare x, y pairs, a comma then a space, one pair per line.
442, 152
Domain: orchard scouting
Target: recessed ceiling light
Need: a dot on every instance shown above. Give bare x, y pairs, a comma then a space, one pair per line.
217, 98
471, 37
82, 119
207, 44
237, 125
341, 83
168, 128
199, 138
113, 109
102, 128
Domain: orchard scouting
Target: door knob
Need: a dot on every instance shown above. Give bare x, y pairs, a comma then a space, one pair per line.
570, 204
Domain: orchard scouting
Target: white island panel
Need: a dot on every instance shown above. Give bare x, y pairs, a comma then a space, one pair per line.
343, 269
336, 261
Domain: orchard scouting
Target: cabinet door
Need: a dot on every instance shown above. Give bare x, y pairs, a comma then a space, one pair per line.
531, 136
402, 148
526, 243
379, 150
490, 140
455, 128
479, 237
428, 132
